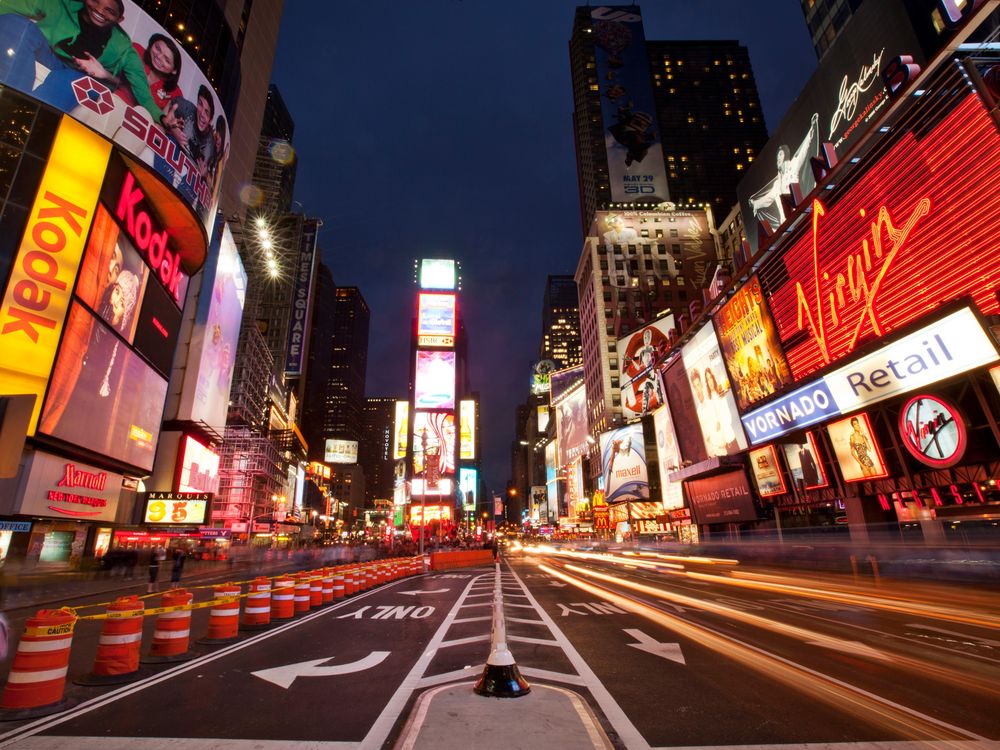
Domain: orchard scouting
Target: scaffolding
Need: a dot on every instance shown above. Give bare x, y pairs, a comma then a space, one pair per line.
250, 475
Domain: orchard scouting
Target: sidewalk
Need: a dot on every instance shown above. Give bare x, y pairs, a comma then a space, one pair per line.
454, 717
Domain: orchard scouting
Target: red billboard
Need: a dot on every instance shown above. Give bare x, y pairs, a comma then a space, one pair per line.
917, 229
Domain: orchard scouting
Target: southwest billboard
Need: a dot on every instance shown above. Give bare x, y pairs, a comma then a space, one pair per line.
212, 352
623, 465
434, 382
713, 397
749, 343
126, 78
436, 319
873, 260
840, 103
641, 356
636, 168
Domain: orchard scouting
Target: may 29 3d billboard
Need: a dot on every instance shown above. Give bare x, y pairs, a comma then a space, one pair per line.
636, 168
434, 382
123, 75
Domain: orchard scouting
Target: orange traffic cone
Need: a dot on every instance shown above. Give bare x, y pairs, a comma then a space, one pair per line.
117, 659
224, 618
173, 630
37, 680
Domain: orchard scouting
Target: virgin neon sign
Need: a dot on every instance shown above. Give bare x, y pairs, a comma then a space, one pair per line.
917, 230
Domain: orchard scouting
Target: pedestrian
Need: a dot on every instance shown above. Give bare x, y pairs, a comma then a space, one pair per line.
131, 560
155, 556
178, 567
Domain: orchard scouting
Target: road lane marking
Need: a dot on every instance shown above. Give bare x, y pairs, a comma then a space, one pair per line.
669, 651
285, 675
548, 674
464, 641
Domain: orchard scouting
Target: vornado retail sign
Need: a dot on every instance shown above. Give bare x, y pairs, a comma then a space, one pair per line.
954, 344
41, 281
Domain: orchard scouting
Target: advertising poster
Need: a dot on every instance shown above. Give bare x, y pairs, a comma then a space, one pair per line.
766, 472
563, 381
199, 467
128, 80
437, 273
341, 451
668, 457
806, 464
435, 380
635, 156
839, 104
402, 430
723, 498
433, 444
551, 481
102, 395
467, 430
641, 356
933, 430
749, 343
468, 484
571, 425
856, 449
623, 465
436, 315
212, 352
542, 414
682, 409
713, 398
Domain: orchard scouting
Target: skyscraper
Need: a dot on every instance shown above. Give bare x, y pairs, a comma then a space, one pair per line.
276, 163
825, 19
344, 399
561, 322
658, 120
376, 447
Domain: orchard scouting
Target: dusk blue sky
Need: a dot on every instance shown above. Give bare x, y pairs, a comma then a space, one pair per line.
442, 128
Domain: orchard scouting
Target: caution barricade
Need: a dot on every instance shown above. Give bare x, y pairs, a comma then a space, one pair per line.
283, 598
37, 681
224, 617
337, 586
257, 611
350, 588
315, 590
172, 635
327, 581
301, 596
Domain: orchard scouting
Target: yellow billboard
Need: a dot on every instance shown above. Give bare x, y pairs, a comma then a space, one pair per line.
467, 430
42, 276
401, 442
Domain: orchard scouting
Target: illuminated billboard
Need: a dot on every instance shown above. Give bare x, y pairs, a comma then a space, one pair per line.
933, 430
623, 464
401, 430
301, 314
38, 292
212, 352
668, 457
433, 444
176, 508
682, 409
436, 273
103, 396
872, 261
199, 467
839, 104
417, 488
434, 384
856, 448
142, 90
467, 430
749, 343
805, 463
641, 356
722, 498
436, 319
636, 169
468, 484
571, 425
551, 479
713, 398
341, 452
766, 471
562, 382
433, 514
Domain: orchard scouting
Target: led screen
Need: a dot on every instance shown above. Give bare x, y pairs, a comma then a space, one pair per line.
103, 396
433, 444
435, 380
571, 425
199, 467
402, 429
543, 418
341, 452
856, 449
641, 356
436, 315
433, 513
562, 382
749, 343
623, 464
437, 273
713, 398
132, 111
175, 510
805, 463
468, 483
467, 430
443, 487
766, 472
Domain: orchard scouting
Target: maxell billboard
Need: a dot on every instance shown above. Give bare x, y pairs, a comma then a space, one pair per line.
838, 105
632, 137
298, 326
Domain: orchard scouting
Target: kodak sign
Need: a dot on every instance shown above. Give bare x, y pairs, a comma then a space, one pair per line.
38, 295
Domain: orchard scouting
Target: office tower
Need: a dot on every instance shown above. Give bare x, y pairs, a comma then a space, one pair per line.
826, 19
344, 399
276, 163
318, 359
560, 323
375, 449
658, 121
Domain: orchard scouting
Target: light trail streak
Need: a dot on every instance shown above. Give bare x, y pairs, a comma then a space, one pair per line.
897, 719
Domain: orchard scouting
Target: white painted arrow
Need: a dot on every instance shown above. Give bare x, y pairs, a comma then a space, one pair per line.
558, 585
285, 676
855, 648
650, 645
417, 593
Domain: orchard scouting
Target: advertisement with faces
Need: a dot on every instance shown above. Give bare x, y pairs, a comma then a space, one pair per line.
623, 464
714, 403
641, 356
668, 458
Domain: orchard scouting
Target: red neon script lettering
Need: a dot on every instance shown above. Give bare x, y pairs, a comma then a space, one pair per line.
856, 282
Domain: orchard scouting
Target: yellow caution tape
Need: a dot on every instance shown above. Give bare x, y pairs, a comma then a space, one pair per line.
127, 613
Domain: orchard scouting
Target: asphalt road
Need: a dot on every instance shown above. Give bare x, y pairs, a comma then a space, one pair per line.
676, 653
